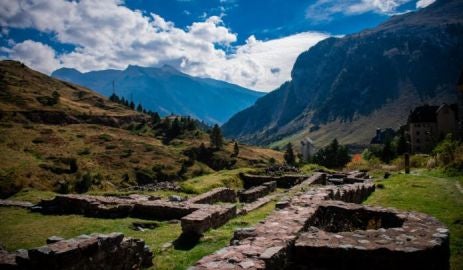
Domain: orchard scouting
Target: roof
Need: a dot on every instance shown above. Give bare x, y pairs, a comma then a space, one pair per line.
428, 114
423, 114
307, 140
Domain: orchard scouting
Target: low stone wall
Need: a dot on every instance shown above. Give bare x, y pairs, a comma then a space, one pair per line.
11, 203
96, 251
115, 207
352, 236
216, 195
254, 193
195, 218
285, 181
209, 217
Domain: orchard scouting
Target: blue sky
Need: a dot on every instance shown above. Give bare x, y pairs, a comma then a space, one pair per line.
253, 43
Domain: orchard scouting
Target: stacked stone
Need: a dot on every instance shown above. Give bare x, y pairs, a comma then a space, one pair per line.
96, 251
11, 203
205, 218
352, 236
216, 195
284, 181
254, 193
269, 244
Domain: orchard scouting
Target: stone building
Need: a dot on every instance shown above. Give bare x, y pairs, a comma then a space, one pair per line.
382, 136
307, 149
429, 124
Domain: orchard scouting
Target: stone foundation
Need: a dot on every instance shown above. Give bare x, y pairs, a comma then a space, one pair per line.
210, 217
338, 235
254, 193
97, 251
195, 218
285, 181
351, 236
216, 195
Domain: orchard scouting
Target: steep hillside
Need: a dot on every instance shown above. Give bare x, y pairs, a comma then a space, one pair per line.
55, 135
347, 87
167, 90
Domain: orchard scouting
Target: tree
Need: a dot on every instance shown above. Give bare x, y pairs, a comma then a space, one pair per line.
132, 105
236, 149
155, 119
139, 108
216, 137
289, 156
333, 155
55, 97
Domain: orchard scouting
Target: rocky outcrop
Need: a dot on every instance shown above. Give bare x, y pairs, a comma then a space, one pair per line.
96, 251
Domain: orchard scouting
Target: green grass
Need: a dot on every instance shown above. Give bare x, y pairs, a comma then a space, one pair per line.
204, 183
20, 228
429, 193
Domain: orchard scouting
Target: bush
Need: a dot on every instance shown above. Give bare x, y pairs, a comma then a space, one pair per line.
83, 183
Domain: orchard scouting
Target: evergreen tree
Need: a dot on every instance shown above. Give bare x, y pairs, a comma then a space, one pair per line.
132, 105
216, 137
236, 149
155, 119
114, 98
289, 156
333, 155
139, 108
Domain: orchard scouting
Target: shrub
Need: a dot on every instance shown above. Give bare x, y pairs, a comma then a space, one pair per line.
105, 137
83, 152
83, 183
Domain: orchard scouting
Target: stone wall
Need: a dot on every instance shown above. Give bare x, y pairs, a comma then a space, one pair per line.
216, 195
210, 217
254, 193
351, 236
97, 251
344, 238
195, 217
285, 181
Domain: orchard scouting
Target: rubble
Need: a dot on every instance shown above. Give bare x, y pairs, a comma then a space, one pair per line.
254, 193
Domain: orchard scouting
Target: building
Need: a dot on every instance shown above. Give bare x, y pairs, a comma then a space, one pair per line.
382, 136
307, 149
427, 125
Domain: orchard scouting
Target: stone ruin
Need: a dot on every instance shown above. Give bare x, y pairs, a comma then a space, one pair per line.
95, 251
324, 228
197, 215
318, 224
254, 193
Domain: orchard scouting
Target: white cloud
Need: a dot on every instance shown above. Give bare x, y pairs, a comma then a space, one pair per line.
424, 3
36, 55
107, 34
323, 10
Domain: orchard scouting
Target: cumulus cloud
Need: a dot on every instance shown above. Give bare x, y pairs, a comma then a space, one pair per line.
106, 34
323, 10
424, 3
35, 54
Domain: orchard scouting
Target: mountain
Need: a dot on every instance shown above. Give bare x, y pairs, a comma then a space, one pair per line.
347, 87
53, 134
167, 90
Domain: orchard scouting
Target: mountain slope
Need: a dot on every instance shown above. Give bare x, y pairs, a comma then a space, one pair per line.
347, 87
53, 132
167, 90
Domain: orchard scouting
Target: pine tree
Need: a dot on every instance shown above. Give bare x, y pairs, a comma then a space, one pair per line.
216, 137
155, 119
132, 105
236, 149
289, 155
139, 108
